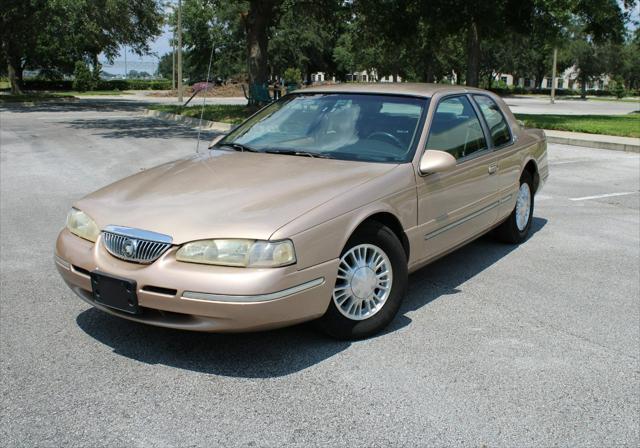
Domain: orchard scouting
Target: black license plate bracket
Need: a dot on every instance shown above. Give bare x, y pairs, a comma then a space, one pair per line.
115, 292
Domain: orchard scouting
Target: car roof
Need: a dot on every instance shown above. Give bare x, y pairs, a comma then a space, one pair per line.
395, 88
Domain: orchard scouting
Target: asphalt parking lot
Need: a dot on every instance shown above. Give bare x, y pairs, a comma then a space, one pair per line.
536, 345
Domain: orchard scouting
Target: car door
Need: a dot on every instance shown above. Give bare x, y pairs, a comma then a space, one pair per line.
456, 205
507, 148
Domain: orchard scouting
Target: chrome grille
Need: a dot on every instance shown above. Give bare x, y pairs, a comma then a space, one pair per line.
139, 246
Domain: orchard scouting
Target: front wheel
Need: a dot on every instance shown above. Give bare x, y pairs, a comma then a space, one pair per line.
515, 229
370, 285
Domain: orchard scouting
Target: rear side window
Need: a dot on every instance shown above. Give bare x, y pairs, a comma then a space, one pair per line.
498, 127
456, 129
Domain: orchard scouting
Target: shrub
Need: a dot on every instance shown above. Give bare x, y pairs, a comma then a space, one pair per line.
617, 88
83, 78
47, 84
115, 84
292, 76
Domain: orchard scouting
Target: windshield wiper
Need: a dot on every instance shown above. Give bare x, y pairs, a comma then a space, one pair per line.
240, 147
293, 152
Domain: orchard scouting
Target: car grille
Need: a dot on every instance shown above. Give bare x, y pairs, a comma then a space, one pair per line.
133, 248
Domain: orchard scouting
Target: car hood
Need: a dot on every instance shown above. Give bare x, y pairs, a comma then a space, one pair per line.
224, 194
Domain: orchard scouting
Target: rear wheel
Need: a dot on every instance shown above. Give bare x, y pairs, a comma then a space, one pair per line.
370, 286
515, 229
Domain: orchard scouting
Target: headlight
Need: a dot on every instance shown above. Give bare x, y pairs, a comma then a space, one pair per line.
237, 252
80, 224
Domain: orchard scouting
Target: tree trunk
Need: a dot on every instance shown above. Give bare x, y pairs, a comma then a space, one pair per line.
473, 55
428, 73
256, 23
539, 75
97, 67
14, 70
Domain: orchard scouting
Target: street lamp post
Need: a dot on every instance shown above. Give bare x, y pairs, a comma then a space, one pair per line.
553, 76
180, 99
173, 62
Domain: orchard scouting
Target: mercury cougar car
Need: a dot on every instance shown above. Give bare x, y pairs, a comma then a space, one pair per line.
317, 207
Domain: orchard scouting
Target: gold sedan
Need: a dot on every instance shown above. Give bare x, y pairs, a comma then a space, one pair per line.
316, 207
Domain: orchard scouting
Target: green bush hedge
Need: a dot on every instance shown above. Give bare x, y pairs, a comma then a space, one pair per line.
522, 91
559, 92
116, 84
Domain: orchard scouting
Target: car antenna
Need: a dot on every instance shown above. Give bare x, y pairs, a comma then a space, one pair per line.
204, 98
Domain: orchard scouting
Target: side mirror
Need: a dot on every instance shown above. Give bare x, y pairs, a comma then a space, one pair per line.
216, 139
434, 161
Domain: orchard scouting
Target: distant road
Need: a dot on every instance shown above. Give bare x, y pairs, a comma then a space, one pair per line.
145, 97
540, 105
519, 105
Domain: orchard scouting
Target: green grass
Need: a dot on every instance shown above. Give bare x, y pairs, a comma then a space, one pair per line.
609, 99
224, 113
4, 85
620, 125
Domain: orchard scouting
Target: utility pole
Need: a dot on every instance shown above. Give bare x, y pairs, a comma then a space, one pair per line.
126, 73
173, 62
180, 99
553, 76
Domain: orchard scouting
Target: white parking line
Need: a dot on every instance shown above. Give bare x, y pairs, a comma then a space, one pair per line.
599, 196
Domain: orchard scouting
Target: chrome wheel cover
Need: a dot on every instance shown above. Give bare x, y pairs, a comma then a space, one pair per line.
523, 206
364, 282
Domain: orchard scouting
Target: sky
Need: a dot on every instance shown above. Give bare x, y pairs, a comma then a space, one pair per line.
147, 63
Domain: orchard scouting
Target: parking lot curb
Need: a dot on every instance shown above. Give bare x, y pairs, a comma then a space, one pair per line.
597, 141
189, 121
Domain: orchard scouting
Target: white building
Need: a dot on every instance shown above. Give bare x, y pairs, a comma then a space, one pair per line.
567, 80
360, 76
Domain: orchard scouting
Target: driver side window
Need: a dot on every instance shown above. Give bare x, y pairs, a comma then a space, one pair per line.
456, 129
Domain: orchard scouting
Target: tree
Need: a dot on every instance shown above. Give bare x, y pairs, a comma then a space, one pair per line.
629, 68
597, 31
481, 37
305, 35
165, 66
53, 34
83, 78
211, 26
617, 87
265, 36
385, 35
257, 20
103, 26
21, 24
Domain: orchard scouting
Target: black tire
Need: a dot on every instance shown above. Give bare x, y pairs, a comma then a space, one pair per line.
508, 231
339, 326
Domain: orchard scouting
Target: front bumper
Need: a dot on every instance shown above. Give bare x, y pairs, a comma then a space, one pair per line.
199, 297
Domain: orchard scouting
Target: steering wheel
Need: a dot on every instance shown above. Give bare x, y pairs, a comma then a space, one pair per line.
387, 136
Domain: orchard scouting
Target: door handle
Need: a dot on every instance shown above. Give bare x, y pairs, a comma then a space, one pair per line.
493, 168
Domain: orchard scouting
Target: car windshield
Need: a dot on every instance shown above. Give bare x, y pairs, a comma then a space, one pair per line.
374, 128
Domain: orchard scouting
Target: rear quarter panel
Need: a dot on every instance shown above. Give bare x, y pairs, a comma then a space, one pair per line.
529, 145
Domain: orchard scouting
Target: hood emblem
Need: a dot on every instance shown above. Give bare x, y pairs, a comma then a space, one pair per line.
129, 247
